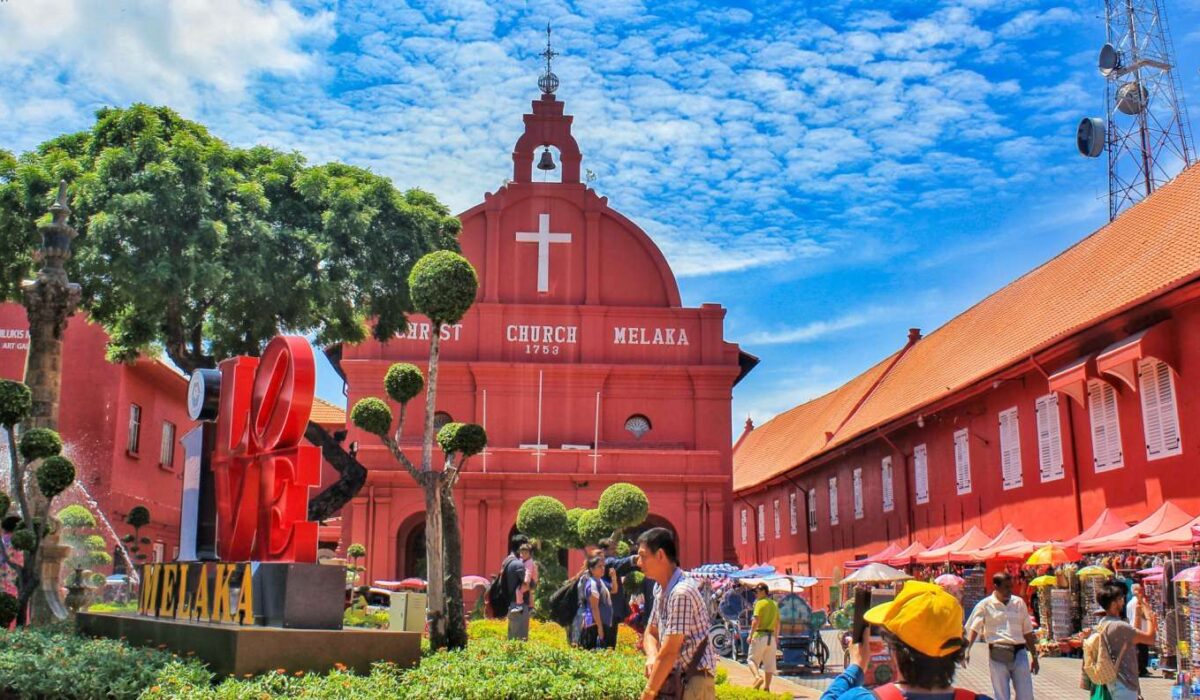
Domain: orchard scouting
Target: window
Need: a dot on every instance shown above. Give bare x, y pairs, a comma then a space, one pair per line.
889, 490
440, 420
778, 529
1106, 432
833, 501
159, 550
812, 510
762, 522
1050, 452
637, 425
921, 474
962, 461
793, 514
1159, 417
1010, 450
744, 518
166, 453
858, 494
135, 428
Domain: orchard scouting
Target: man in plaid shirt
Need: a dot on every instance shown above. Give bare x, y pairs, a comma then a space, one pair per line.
678, 631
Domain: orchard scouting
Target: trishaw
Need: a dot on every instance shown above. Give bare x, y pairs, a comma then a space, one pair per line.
801, 649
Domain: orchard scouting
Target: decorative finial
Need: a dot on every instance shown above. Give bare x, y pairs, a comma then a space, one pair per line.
59, 209
548, 82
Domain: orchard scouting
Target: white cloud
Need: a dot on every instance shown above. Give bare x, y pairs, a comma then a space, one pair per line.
812, 330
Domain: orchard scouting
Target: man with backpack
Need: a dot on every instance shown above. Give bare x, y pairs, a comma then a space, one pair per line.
1110, 666
923, 627
504, 593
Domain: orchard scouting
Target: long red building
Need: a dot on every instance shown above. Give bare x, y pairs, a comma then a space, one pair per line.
1074, 389
579, 360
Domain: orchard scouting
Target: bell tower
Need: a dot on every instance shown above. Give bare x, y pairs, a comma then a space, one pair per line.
547, 126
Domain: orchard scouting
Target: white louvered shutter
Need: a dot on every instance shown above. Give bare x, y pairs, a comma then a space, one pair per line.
921, 473
1159, 415
833, 501
793, 514
962, 461
1010, 450
1106, 430
1050, 454
858, 494
889, 495
778, 529
744, 519
812, 510
762, 522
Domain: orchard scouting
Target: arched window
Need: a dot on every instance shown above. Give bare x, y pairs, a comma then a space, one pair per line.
638, 425
440, 419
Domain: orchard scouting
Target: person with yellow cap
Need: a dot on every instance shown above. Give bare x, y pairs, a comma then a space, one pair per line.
923, 628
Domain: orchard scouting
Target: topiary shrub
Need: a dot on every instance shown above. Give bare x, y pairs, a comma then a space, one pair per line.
39, 443
467, 439
16, 401
593, 527
24, 539
403, 382
372, 415
76, 517
55, 475
623, 505
8, 609
139, 517
443, 286
542, 518
570, 538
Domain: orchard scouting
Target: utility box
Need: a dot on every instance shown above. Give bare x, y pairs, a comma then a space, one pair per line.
408, 611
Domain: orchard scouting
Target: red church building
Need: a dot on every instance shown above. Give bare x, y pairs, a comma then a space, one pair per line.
1072, 390
581, 362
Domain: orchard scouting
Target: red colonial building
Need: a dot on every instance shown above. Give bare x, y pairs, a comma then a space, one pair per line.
578, 358
1074, 389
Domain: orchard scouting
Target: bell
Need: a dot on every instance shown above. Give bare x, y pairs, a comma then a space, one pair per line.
547, 160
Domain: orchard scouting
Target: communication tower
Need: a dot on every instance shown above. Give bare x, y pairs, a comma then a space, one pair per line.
1145, 128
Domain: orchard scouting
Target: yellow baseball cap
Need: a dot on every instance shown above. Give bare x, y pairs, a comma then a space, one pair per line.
924, 617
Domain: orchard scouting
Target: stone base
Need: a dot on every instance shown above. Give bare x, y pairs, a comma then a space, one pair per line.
238, 650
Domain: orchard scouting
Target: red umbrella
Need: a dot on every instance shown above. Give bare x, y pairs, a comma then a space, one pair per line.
416, 584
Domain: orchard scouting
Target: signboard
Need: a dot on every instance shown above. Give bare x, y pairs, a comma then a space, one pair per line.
14, 339
210, 592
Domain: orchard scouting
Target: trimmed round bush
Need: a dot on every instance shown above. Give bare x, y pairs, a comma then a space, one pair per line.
443, 286
466, 438
5, 504
76, 516
16, 401
356, 551
372, 415
139, 516
40, 443
542, 518
593, 527
24, 539
8, 609
624, 505
403, 382
570, 538
55, 475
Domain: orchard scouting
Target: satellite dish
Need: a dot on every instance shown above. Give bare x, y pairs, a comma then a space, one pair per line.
1132, 98
1089, 138
1110, 60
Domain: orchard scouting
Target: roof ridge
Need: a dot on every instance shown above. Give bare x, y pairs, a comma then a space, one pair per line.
897, 356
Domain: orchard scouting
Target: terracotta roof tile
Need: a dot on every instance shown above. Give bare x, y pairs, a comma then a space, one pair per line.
1152, 247
326, 413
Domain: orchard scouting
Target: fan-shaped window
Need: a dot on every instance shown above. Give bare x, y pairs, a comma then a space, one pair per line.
637, 425
440, 419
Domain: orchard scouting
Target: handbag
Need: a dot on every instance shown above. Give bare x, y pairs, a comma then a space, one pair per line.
1002, 653
672, 688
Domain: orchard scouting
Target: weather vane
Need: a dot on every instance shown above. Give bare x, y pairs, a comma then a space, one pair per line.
548, 82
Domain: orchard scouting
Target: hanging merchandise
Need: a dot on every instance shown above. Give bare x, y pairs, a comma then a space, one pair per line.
973, 589
1062, 619
1091, 612
1193, 598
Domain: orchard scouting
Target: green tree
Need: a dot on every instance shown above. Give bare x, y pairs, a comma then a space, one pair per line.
355, 552
137, 518
88, 549
207, 251
443, 286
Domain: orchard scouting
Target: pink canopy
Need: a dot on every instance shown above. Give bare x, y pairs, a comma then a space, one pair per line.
1106, 524
1010, 536
971, 539
909, 555
1182, 537
1168, 517
882, 556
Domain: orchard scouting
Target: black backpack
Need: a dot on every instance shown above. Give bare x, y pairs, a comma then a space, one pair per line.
499, 598
564, 602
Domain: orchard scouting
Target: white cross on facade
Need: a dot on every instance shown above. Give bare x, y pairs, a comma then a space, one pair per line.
543, 238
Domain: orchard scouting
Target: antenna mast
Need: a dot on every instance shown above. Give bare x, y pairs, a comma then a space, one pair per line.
1145, 128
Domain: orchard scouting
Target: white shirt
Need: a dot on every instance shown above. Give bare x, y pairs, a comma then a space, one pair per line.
998, 623
1134, 613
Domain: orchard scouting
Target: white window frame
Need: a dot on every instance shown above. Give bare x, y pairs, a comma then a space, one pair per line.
166, 450
762, 522
921, 474
887, 478
857, 481
812, 510
133, 441
1104, 417
962, 461
793, 512
833, 500
1050, 448
1011, 474
1160, 414
745, 518
778, 525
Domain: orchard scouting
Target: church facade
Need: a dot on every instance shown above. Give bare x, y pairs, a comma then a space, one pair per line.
581, 362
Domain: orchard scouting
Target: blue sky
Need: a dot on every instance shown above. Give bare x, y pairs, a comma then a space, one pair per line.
832, 172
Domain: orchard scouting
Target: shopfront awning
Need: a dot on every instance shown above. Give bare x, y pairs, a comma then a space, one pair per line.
1121, 358
1073, 379
971, 539
881, 556
1106, 524
1168, 517
908, 555
1181, 538
1008, 537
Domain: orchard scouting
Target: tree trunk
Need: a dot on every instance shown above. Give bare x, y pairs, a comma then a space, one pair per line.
435, 573
456, 624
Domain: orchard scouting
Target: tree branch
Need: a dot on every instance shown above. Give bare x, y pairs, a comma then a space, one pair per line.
394, 447
352, 475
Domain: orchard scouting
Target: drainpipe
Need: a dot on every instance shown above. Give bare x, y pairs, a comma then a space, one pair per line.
807, 525
909, 515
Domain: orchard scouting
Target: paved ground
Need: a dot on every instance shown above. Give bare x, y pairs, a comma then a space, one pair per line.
1059, 678
740, 675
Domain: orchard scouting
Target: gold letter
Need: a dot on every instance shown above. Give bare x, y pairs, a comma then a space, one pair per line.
167, 607
200, 599
149, 601
246, 604
220, 606
183, 604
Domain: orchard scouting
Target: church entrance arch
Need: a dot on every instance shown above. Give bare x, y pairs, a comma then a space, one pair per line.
631, 534
410, 547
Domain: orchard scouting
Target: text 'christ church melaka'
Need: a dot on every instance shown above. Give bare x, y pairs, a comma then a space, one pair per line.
581, 362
